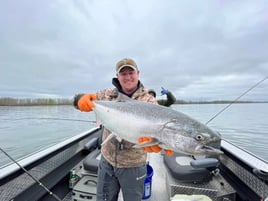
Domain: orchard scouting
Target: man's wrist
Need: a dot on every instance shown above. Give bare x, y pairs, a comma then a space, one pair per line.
76, 99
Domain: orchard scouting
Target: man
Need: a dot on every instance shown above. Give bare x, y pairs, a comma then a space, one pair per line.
121, 166
171, 99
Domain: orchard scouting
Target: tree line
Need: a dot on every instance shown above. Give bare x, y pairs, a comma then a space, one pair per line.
7, 101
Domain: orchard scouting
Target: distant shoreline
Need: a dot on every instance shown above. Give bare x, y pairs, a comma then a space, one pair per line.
217, 102
6, 101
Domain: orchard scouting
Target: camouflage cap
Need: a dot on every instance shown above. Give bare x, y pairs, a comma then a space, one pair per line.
126, 63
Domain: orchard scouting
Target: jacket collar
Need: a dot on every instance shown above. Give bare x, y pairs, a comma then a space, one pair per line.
116, 83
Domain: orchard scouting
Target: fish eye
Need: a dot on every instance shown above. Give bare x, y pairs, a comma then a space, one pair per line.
199, 137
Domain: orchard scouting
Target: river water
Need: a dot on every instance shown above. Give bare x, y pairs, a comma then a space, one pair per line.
24, 130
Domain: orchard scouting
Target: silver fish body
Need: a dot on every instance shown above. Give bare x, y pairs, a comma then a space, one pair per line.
170, 129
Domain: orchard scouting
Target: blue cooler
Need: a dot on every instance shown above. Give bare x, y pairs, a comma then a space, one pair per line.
148, 183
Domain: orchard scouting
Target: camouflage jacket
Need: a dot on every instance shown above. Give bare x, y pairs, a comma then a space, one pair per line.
121, 154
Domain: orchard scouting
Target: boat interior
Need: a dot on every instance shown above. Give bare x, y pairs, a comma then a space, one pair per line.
235, 175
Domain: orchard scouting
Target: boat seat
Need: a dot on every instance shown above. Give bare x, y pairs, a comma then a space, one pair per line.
91, 162
185, 168
92, 144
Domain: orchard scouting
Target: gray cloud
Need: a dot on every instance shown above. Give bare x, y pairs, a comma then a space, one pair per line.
199, 50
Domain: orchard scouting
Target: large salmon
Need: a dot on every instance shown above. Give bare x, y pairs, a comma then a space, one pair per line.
170, 129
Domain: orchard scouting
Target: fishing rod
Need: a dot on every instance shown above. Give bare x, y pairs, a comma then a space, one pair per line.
235, 100
30, 175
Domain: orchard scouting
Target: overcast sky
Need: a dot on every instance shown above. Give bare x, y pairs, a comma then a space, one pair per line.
199, 50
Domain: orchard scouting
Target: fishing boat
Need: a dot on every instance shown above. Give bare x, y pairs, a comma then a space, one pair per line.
67, 171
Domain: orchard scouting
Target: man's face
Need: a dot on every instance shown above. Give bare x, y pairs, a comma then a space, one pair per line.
128, 79
152, 94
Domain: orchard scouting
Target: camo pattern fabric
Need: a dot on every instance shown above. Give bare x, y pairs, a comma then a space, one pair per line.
121, 154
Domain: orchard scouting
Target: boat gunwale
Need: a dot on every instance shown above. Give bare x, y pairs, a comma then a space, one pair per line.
245, 156
9, 169
250, 159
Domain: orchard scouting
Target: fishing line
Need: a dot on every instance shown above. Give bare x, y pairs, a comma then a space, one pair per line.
236, 99
50, 118
29, 174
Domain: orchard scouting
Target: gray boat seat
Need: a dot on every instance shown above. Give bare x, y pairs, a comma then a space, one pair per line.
92, 148
91, 162
92, 144
187, 169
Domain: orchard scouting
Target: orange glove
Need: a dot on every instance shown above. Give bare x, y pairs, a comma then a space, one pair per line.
154, 148
169, 152
85, 103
